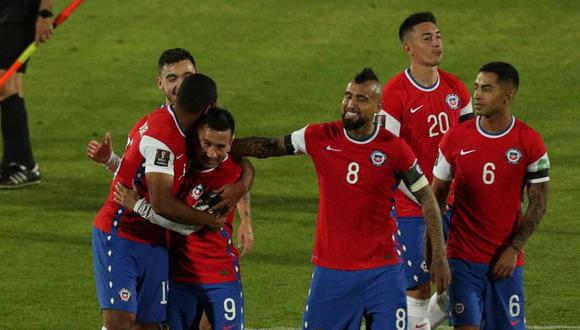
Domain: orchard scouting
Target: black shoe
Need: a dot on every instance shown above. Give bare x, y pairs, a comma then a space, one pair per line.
18, 176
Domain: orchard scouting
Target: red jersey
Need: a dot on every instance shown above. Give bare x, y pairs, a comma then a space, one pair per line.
156, 144
356, 180
422, 115
489, 172
206, 256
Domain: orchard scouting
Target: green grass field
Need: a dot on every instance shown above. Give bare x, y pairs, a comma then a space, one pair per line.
279, 65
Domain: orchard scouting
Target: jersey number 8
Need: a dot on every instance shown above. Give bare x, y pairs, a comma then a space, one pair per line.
352, 174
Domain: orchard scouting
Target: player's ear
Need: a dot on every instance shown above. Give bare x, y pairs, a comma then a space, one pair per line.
407, 47
509, 96
159, 83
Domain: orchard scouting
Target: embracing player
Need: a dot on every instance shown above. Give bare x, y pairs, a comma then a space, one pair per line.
357, 268
422, 103
204, 264
491, 159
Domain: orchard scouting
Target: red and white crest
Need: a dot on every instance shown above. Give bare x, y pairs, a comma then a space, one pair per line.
125, 294
513, 155
452, 101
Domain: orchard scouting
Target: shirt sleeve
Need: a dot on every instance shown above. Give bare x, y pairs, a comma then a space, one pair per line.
144, 209
537, 169
407, 168
442, 169
392, 109
158, 157
465, 99
299, 141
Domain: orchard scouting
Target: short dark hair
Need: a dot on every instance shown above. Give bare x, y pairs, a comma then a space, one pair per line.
196, 93
218, 119
365, 75
415, 19
505, 72
174, 55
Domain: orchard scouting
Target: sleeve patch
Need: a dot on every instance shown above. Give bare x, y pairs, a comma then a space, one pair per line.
162, 157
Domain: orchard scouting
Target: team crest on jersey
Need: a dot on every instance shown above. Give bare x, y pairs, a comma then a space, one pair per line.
513, 155
125, 294
197, 191
459, 308
378, 158
452, 101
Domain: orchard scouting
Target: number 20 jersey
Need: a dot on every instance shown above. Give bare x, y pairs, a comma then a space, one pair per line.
356, 180
490, 172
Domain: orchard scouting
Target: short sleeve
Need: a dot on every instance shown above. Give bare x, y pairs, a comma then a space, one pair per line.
537, 168
392, 108
299, 141
158, 157
465, 99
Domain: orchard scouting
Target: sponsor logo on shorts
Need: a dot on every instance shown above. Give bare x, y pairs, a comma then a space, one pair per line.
513, 155
378, 158
452, 101
459, 308
162, 157
125, 294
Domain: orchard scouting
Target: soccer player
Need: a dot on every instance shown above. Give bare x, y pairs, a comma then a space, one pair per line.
21, 22
129, 253
491, 160
357, 268
421, 103
204, 265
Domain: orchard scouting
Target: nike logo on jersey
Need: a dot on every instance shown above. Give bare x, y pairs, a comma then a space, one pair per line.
179, 156
514, 323
463, 152
413, 110
229, 327
420, 326
329, 148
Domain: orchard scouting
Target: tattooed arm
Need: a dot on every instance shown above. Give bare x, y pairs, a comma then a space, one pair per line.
537, 198
262, 147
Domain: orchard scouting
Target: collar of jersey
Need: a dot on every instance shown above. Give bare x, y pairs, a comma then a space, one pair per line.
172, 112
494, 135
419, 86
365, 141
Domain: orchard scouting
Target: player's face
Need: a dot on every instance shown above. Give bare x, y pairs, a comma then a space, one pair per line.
424, 44
360, 103
214, 146
171, 77
489, 96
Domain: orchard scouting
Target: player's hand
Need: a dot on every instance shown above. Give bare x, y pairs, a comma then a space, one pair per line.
100, 152
245, 237
230, 195
126, 197
220, 221
44, 30
440, 273
505, 265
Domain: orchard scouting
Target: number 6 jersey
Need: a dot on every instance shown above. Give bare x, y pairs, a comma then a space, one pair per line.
356, 179
490, 172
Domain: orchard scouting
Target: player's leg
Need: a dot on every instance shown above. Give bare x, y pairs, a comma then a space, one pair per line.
225, 307
412, 244
335, 300
466, 293
18, 167
153, 289
439, 304
384, 297
183, 306
504, 306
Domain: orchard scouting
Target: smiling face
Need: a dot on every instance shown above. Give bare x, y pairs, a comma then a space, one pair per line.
360, 103
171, 76
214, 146
423, 44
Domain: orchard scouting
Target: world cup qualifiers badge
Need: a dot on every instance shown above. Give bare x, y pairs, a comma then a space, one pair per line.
125, 294
452, 101
513, 156
378, 158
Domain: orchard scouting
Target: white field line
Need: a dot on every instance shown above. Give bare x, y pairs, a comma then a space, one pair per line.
532, 327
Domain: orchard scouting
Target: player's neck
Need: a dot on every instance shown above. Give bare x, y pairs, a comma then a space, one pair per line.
362, 133
497, 122
186, 120
424, 75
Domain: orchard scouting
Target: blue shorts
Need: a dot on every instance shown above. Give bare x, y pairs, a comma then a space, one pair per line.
477, 300
339, 299
411, 239
223, 303
131, 276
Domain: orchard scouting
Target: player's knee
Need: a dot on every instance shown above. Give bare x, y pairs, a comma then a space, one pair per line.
117, 320
421, 291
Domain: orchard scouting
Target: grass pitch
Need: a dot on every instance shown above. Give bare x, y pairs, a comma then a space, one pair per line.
279, 65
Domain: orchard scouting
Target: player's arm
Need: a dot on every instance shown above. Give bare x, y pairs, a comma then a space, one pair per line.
230, 194
263, 147
130, 199
537, 201
245, 231
103, 153
167, 205
419, 186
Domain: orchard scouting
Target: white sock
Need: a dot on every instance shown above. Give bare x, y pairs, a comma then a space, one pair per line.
437, 312
417, 314
104, 328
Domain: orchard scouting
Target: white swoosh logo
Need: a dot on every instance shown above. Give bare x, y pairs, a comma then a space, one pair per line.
463, 153
413, 110
329, 148
179, 156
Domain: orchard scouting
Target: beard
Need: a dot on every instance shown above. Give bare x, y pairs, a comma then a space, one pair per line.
353, 124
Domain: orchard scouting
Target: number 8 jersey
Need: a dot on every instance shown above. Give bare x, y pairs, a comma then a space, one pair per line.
356, 180
490, 172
